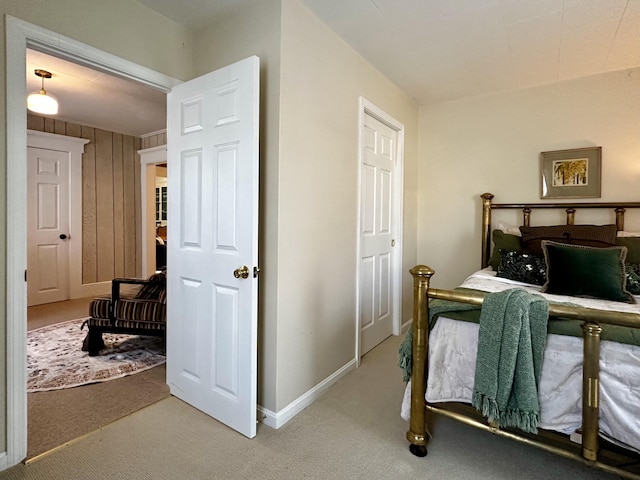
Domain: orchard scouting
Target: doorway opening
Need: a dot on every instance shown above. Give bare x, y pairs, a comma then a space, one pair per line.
22, 36
161, 197
154, 200
85, 204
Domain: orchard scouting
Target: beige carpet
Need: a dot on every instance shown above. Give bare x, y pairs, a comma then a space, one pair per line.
354, 431
40, 316
60, 416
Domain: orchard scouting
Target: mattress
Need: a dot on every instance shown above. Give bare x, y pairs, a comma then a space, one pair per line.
452, 356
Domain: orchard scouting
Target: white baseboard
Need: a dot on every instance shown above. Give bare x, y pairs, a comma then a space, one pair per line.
406, 325
278, 419
4, 461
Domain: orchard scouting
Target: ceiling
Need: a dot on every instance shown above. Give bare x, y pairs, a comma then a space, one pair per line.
97, 99
435, 50
439, 50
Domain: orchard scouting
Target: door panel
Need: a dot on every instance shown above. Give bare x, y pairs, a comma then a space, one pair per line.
376, 232
212, 232
48, 219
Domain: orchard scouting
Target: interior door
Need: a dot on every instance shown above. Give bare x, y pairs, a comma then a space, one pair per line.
376, 232
213, 243
47, 226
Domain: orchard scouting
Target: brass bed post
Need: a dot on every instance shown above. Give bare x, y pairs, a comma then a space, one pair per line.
591, 390
620, 219
418, 433
486, 228
526, 216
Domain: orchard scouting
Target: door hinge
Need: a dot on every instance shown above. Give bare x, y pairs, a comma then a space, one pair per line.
25, 275
393, 242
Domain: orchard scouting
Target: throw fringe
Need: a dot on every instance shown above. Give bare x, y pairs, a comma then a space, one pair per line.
526, 421
487, 405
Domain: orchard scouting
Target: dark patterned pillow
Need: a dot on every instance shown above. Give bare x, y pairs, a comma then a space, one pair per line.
522, 267
152, 289
632, 271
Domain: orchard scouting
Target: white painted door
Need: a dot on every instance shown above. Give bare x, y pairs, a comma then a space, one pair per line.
212, 154
47, 226
376, 232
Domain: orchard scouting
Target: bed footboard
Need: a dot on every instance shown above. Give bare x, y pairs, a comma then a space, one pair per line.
418, 434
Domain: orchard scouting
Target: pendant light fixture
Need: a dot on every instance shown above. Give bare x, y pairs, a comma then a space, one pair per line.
41, 102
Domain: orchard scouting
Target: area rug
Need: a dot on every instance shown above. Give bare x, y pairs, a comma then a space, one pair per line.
55, 359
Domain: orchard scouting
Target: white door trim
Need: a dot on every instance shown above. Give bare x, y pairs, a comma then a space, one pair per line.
21, 35
148, 157
368, 108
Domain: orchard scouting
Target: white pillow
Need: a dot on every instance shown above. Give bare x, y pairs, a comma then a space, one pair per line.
509, 229
622, 233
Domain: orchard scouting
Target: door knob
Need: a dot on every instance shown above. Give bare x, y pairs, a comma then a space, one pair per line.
241, 272
63, 236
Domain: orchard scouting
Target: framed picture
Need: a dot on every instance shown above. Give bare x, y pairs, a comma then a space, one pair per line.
571, 173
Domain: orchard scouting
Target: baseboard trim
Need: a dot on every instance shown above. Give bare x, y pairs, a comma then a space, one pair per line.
406, 325
278, 419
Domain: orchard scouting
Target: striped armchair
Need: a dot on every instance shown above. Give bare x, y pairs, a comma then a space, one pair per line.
142, 312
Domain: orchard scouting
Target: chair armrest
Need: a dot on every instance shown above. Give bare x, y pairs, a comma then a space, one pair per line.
116, 282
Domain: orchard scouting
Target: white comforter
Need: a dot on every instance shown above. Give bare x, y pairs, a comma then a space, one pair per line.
452, 357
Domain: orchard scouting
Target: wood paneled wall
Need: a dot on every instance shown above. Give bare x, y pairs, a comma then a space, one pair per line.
111, 216
154, 139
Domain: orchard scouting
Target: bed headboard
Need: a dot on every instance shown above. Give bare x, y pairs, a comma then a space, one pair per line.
527, 208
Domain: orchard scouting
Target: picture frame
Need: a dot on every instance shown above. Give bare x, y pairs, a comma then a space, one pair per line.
574, 173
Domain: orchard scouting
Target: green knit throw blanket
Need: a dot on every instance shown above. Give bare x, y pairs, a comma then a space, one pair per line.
511, 341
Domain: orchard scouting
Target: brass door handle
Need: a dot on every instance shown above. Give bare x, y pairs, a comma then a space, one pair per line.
241, 272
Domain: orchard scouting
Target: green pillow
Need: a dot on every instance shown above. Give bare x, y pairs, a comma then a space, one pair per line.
633, 248
503, 241
584, 271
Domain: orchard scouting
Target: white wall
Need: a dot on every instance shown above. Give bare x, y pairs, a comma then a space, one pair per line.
492, 144
321, 81
124, 28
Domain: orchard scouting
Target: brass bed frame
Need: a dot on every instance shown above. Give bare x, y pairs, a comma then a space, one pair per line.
418, 433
